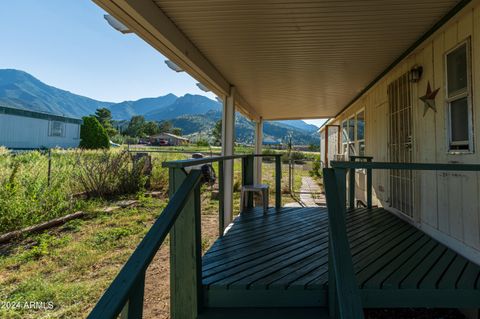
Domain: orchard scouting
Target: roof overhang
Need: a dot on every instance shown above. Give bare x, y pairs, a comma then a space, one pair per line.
286, 59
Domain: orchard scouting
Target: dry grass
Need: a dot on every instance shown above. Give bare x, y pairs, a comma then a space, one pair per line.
73, 264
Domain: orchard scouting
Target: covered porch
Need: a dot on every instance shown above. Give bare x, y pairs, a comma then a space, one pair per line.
329, 261
276, 61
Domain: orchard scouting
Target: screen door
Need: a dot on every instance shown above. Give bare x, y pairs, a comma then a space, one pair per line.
400, 143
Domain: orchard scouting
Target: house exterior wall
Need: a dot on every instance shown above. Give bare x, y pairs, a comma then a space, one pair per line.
446, 204
20, 132
171, 140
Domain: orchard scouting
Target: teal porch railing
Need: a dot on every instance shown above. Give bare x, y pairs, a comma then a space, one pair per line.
343, 293
180, 218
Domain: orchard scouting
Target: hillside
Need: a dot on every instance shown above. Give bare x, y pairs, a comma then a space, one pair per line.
202, 125
21, 90
194, 114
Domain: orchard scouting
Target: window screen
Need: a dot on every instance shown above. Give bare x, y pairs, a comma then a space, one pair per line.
57, 128
344, 132
360, 126
457, 71
458, 98
351, 129
459, 120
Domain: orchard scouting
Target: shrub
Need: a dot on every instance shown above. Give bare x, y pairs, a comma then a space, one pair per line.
295, 156
93, 134
202, 142
316, 170
4, 151
26, 197
106, 174
118, 138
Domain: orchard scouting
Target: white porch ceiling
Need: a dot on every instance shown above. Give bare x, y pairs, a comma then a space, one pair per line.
300, 59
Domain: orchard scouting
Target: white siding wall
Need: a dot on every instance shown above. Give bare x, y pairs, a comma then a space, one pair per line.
447, 204
26, 132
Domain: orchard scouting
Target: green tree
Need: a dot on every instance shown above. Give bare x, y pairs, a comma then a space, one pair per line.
92, 134
150, 128
104, 116
177, 131
136, 126
217, 133
165, 126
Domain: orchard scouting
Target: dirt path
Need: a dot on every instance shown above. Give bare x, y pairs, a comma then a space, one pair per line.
310, 194
157, 281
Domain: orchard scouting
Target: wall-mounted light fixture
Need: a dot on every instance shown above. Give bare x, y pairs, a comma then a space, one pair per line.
416, 73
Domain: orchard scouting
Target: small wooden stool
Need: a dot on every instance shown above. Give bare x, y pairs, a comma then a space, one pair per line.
262, 189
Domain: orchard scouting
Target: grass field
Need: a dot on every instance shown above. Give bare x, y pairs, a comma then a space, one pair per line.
71, 265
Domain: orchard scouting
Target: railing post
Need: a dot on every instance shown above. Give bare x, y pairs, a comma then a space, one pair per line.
369, 186
221, 194
351, 186
341, 176
185, 254
134, 306
278, 182
247, 177
344, 298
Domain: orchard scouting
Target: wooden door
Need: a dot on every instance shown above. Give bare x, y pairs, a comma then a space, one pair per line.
401, 143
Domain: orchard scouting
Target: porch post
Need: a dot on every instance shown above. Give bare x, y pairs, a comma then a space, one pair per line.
228, 141
257, 173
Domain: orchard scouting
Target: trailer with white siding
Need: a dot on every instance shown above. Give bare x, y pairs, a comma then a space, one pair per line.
25, 129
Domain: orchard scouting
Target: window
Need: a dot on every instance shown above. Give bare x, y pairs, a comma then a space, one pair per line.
353, 135
57, 129
361, 133
76, 133
459, 98
345, 137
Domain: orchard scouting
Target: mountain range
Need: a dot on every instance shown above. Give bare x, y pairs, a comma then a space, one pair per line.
194, 114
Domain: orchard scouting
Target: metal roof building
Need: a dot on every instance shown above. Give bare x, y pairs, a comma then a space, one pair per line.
24, 129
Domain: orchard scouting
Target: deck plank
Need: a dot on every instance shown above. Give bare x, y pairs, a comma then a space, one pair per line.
394, 279
373, 275
469, 277
412, 280
280, 259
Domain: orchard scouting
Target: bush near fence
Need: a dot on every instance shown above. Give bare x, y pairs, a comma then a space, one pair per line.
28, 198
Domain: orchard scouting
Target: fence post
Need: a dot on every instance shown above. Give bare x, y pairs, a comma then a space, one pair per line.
351, 186
278, 182
49, 167
185, 254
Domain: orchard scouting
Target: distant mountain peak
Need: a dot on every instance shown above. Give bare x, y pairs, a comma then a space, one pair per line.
191, 112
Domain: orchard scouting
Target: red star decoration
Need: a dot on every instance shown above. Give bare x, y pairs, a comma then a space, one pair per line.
429, 99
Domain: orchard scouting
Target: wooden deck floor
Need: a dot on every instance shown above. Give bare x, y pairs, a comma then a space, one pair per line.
281, 260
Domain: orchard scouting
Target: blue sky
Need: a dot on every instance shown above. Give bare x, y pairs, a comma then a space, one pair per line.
68, 44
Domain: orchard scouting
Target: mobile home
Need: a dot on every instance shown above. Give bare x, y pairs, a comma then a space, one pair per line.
25, 129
